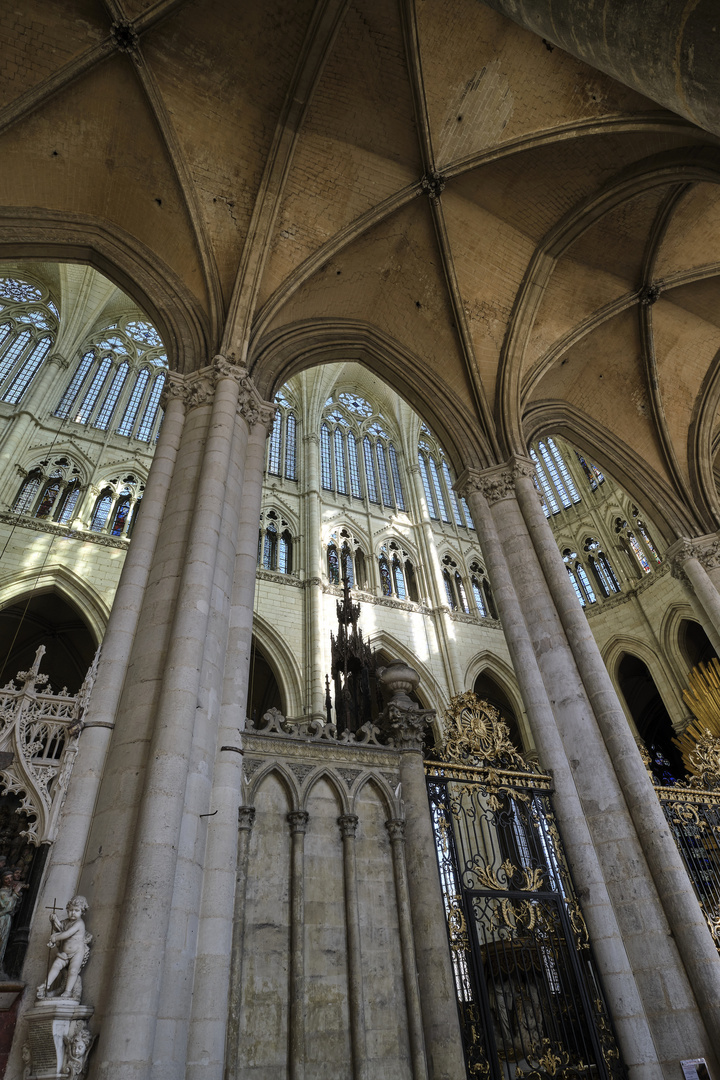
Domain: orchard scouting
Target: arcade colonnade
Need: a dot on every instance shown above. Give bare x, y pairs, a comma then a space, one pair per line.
150, 826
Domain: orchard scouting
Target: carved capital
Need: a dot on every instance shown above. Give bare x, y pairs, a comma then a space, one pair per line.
199, 389
522, 467
396, 830
408, 726
297, 820
494, 484
246, 817
57, 358
348, 825
174, 388
224, 367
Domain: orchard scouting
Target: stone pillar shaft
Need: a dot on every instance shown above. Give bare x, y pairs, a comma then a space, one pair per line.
614, 966
246, 819
127, 1043
297, 820
206, 1046
348, 826
443, 1044
677, 896
396, 831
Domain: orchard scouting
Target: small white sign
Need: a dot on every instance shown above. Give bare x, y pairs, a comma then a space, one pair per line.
695, 1069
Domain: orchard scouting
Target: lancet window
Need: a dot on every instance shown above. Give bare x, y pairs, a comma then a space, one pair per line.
357, 455
594, 477
275, 543
601, 568
50, 490
455, 591
556, 482
282, 444
437, 484
116, 506
116, 381
28, 328
636, 541
482, 593
579, 579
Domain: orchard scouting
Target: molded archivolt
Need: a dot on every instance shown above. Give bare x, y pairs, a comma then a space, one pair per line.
124, 260
284, 664
620, 646
501, 673
669, 636
57, 578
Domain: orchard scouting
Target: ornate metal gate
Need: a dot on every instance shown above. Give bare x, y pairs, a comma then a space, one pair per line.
529, 1000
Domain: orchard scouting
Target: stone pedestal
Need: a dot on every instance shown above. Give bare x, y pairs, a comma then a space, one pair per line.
58, 1039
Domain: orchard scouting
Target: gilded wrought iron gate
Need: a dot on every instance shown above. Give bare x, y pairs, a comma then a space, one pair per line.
529, 1000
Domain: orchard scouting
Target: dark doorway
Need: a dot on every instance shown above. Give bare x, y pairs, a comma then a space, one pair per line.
264, 692
46, 619
695, 645
651, 718
488, 690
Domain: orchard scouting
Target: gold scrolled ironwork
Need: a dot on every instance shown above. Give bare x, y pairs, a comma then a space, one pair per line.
474, 733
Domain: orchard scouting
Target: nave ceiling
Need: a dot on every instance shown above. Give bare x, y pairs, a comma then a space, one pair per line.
263, 177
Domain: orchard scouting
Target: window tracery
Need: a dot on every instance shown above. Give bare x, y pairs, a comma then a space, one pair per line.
578, 577
438, 484
275, 543
347, 420
50, 490
397, 572
346, 560
28, 327
117, 505
601, 568
643, 558
556, 481
594, 476
114, 381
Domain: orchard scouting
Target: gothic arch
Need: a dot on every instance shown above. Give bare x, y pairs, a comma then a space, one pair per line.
503, 674
669, 635
293, 348
620, 646
428, 688
70, 586
285, 668
287, 782
340, 790
383, 791
70, 237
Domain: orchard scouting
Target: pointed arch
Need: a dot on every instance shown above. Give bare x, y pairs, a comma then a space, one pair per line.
340, 790
285, 666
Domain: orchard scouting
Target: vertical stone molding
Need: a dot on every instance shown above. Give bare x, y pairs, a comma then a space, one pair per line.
687, 924
297, 820
396, 832
348, 829
622, 993
246, 820
138, 967
443, 1044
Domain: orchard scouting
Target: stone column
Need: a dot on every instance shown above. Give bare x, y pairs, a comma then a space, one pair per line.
660, 978
682, 909
396, 832
315, 690
61, 879
621, 992
246, 820
441, 1025
690, 561
128, 1030
297, 819
356, 1008
207, 1040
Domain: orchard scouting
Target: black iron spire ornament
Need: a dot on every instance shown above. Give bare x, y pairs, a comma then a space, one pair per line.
352, 667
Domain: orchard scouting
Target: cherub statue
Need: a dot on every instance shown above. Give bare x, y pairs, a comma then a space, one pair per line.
77, 1048
75, 950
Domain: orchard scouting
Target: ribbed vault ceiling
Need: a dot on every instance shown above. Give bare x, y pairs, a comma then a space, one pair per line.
424, 186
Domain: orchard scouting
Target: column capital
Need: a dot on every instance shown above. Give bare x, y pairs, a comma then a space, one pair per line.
493, 484
246, 817
348, 825
408, 725
706, 549
175, 387
396, 829
522, 467
298, 820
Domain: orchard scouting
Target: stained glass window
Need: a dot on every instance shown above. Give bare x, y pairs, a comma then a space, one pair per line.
122, 510
151, 409
290, 447
27, 493
385, 579
68, 399
356, 404
13, 353
426, 487
399, 497
340, 477
595, 477
20, 291
326, 468
438, 489
27, 372
466, 512
398, 578
274, 445
333, 565
71, 498
383, 474
449, 590
144, 333
451, 494
270, 547
462, 596
369, 470
285, 553
102, 420
49, 496
479, 599
102, 512
353, 465
89, 401
547, 488
133, 406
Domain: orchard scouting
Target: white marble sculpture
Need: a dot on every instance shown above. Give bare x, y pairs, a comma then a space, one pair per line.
77, 1047
74, 953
